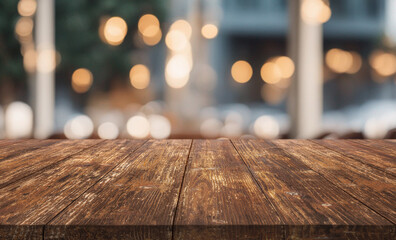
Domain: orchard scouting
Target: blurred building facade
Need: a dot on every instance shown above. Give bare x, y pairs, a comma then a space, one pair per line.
256, 30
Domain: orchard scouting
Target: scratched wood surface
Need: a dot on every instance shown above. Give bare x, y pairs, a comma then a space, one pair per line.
197, 189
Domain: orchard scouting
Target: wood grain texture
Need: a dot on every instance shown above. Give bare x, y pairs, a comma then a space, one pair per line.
309, 205
201, 189
38, 199
378, 154
4, 142
137, 200
220, 199
32, 162
369, 185
11, 150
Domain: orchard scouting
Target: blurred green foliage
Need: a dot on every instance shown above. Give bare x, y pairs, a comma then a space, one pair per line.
77, 38
11, 62
78, 42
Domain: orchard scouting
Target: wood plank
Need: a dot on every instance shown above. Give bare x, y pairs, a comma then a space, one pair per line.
12, 150
309, 205
220, 199
31, 162
370, 186
7, 142
377, 154
136, 200
32, 203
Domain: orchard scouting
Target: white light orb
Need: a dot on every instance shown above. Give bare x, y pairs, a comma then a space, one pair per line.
108, 130
79, 127
266, 127
18, 120
138, 127
160, 127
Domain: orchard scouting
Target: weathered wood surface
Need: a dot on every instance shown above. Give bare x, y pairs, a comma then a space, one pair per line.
200, 189
302, 197
378, 154
39, 198
20, 147
220, 199
4, 142
140, 193
33, 159
369, 185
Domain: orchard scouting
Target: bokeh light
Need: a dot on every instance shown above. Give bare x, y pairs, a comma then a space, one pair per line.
27, 8
209, 31
356, 63
24, 27
46, 60
183, 26
153, 40
271, 73
29, 60
138, 127
338, 60
115, 30
285, 65
108, 130
149, 29
241, 71
383, 63
315, 12
176, 40
139, 76
18, 120
79, 127
266, 127
82, 80
177, 71
160, 127
148, 25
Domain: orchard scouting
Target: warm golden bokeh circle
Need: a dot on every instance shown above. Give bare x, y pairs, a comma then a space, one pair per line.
209, 31
139, 76
241, 71
82, 80
115, 30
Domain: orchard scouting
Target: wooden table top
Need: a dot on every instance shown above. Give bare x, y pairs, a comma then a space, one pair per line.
197, 189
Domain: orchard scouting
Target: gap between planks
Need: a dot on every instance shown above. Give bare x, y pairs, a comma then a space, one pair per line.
123, 160
258, 185
180, 190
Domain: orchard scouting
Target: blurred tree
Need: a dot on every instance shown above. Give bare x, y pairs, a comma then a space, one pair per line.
12, 74
78, 41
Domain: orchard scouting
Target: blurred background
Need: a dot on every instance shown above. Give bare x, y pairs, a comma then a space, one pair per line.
197, 69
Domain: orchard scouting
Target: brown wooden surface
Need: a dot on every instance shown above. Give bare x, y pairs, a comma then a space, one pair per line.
376, 153
197, 189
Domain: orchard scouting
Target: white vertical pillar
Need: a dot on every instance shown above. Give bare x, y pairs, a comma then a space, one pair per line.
45, 86
390, 20
305, 98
